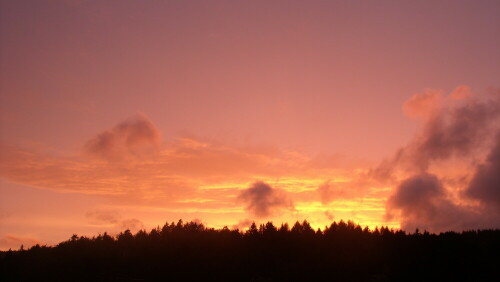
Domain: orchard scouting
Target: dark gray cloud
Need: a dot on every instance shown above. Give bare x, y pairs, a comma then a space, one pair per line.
417, 191
485, 185
459, 130
133, 137
423, 203
262, 200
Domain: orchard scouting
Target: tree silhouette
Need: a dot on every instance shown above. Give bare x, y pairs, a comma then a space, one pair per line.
342, 251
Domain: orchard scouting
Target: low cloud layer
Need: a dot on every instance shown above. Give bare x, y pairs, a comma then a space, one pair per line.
329, 215
129, 170
103, 217
326, 192
9, 240
242, 224
132, 224
261, 200
355, 187
113, 220
457, 130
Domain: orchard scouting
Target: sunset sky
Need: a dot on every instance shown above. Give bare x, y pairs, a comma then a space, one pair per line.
128, 114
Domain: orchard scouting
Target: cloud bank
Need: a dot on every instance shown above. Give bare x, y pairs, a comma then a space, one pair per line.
423, 203
456, 130
130, 161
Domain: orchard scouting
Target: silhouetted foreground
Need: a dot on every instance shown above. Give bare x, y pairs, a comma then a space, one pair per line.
343, 251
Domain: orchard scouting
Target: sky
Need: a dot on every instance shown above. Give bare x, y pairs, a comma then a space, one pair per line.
130, 114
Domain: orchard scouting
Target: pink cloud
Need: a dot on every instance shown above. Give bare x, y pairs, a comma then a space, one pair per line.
423, 105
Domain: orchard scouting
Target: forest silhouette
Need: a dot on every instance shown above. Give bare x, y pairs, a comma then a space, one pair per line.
190, 251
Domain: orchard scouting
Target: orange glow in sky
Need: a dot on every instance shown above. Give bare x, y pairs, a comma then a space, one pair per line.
117, 115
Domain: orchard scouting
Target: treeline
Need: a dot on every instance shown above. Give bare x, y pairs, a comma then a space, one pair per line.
190, 251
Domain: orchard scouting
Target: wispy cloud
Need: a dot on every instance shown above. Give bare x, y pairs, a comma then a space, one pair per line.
113, 219
9, 240
119, 161
130, 164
